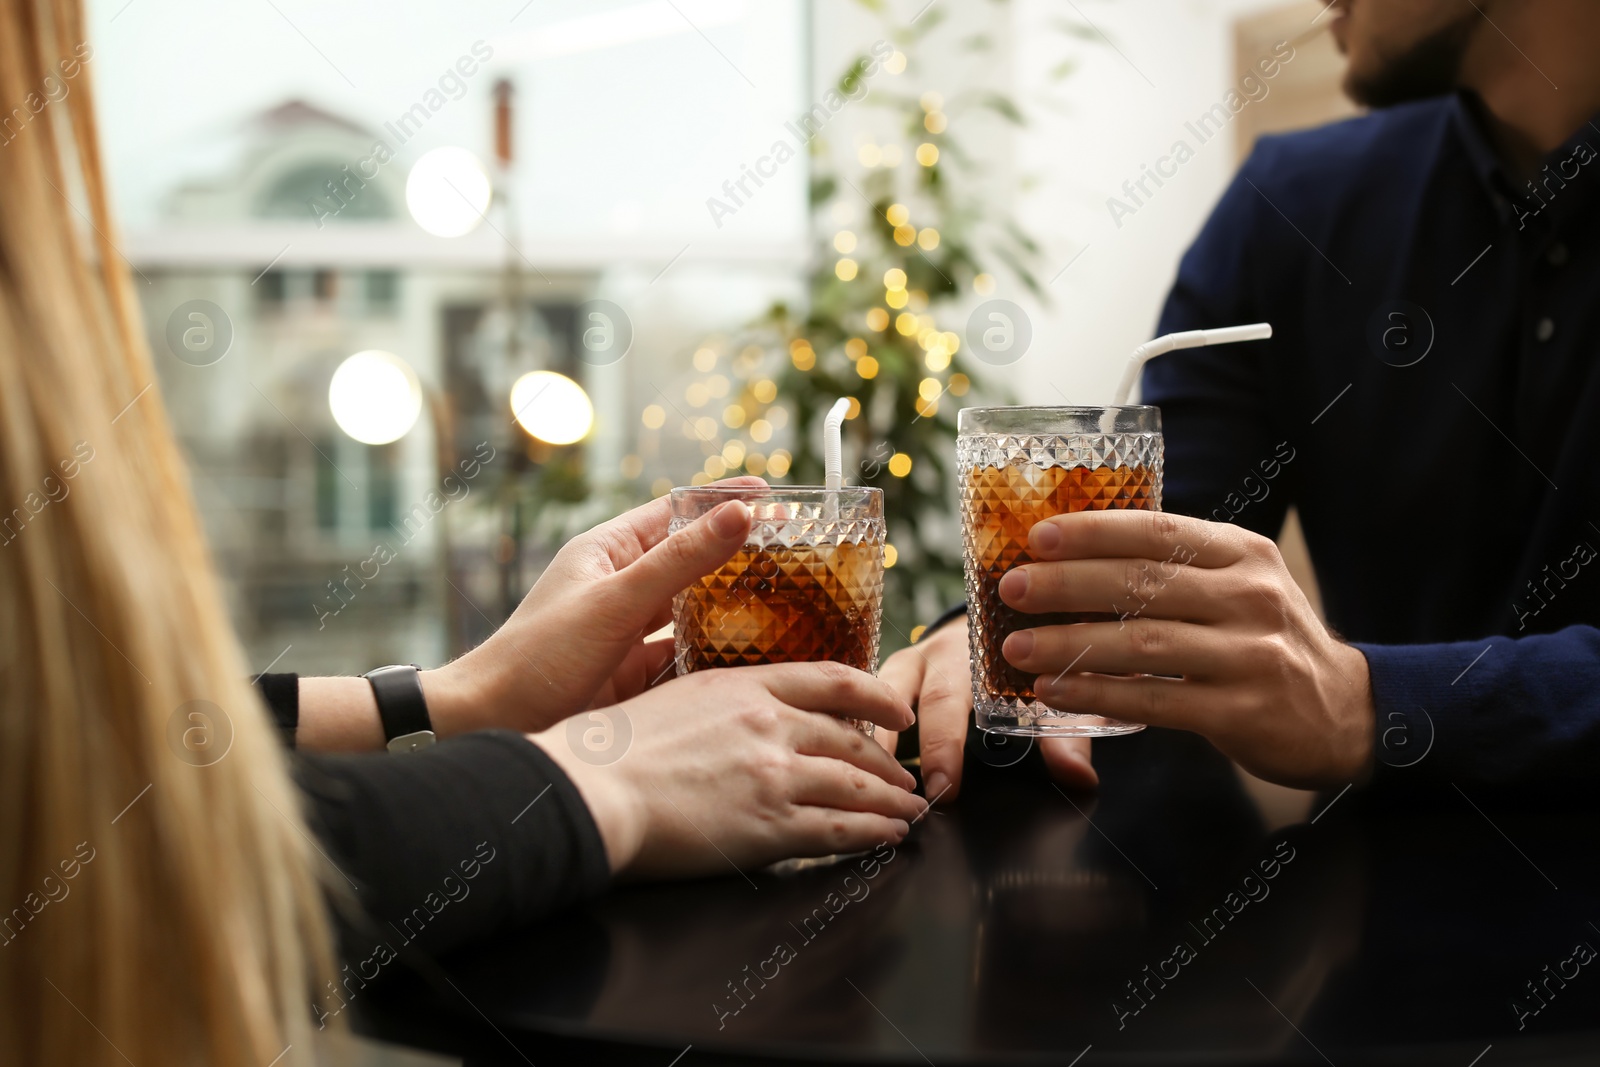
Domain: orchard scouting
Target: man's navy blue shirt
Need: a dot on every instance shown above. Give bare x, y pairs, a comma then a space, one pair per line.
1428, 403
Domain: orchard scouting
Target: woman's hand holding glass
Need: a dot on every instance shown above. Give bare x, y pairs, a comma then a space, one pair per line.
577, 640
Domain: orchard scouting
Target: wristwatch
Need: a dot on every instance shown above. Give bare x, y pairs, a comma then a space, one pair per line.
401, 707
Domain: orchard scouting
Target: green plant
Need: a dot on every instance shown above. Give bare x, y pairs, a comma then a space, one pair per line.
882, 323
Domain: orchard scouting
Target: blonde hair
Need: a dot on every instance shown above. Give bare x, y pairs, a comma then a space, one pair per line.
156, 906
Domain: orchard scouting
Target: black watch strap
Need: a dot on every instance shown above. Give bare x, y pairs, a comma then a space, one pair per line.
401, 707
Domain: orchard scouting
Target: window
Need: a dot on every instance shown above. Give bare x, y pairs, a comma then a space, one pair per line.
341, 504
327, 487
323, 192
383, 291
382, 486
272, 287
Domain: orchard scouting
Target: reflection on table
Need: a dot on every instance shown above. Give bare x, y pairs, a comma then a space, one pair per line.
1158, 921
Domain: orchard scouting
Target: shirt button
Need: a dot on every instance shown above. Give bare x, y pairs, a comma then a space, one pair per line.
1545, 330
1557, 255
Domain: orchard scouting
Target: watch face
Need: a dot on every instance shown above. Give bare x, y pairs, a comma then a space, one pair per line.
413, 742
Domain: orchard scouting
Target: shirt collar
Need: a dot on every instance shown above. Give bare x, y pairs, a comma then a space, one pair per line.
1511, 199
1469, 126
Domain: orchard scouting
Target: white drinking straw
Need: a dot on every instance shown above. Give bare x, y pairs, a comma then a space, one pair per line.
832, 449
1259, 331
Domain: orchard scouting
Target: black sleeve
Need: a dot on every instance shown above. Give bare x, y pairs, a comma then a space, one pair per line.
951, 615
282, 694
1222, 408
476, 835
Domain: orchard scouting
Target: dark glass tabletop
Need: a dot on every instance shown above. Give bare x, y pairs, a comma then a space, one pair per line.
1165, 919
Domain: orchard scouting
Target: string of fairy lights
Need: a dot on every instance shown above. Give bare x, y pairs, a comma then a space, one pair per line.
749, 415
735, 408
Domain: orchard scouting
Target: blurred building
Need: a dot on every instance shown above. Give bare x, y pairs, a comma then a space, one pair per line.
301, 251
329, 545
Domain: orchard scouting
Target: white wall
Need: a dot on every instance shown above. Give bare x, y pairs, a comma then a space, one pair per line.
1171, 61
1167, 61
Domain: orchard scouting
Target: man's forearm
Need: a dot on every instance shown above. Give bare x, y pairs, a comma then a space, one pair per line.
1497, 711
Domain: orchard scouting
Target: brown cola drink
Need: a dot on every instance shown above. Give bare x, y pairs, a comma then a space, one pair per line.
785, 605
1019, 466
1005, 504
807, 585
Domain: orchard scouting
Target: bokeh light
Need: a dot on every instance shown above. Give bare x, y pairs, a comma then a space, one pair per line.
552, 407
447, 192
375, 397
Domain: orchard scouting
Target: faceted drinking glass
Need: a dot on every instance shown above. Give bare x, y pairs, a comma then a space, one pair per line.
1019, 465
807, 585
